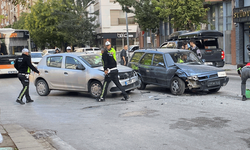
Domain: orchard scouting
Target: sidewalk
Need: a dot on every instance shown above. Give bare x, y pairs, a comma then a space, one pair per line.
230, 69
15, 136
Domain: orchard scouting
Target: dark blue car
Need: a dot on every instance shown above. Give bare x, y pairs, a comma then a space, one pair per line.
176, 69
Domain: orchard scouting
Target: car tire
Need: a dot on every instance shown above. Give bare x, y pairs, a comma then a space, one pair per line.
142, 85
177, 86
95, 89
214, 90
42, 88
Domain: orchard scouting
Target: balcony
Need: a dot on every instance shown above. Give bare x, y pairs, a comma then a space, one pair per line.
122, 21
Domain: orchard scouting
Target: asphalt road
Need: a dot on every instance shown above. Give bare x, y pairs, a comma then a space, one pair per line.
151, 119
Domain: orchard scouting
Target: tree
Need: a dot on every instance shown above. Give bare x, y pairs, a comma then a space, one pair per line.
145, 14
184, 14
42, 25
77, 23
20, 24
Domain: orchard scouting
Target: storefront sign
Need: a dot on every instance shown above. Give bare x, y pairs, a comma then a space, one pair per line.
241, 14
123, 35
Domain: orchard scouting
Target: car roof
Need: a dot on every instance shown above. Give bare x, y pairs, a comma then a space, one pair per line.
36, 52
73, 54
161, 50
201, 34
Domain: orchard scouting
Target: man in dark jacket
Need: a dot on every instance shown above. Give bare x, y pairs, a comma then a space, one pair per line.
124, 56
195, 49
111, 73
23, 65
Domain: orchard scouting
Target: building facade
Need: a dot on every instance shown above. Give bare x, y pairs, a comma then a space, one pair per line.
12, 13
112, 21
241, 18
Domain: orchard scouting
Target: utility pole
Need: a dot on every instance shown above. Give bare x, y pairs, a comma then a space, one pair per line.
127, 33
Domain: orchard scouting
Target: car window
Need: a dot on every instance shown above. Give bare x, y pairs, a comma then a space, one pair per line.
147, 59
71, 63
92, 60
89, 49
96, 49
170, 45
158, 58
135, 48
36, 55
136, 57
55, 61
185, 58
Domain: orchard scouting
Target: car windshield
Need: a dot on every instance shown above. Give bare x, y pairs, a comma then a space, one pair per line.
51, 52
185, 57
92, 60
36, 55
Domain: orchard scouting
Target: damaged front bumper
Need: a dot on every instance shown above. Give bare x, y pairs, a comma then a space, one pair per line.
207, 84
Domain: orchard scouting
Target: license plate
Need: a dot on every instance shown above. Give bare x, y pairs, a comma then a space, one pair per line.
208, 63
12, 72
213, 83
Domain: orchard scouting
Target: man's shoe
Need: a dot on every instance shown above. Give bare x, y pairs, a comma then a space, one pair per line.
29, 101
21, 102
100, 99
125, 98
244, 98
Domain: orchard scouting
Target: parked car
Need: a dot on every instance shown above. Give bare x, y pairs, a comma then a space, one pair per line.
79, 72
133, 48
94, 50
36, 57
206, 41
176, 69
48, 51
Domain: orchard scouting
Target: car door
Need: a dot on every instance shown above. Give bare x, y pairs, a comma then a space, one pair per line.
74, 74
159, 70
53, 73
145, 68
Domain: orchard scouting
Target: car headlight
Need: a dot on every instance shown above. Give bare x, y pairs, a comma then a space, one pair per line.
193, 78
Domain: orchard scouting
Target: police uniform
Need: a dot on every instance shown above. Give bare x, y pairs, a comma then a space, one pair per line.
23, 65
109, 63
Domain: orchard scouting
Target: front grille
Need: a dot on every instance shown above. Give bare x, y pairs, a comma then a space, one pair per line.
114, 89
208, 76
126, 75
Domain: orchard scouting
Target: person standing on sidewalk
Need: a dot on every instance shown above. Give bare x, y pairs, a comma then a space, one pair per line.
111, 73
124, 56
23, 65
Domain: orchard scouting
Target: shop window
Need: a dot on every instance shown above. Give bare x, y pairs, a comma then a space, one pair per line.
228, 16
220, 22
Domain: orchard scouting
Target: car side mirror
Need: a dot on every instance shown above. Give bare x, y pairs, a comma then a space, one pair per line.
80, 67
161, 64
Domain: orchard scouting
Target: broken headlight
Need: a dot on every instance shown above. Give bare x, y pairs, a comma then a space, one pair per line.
193, 78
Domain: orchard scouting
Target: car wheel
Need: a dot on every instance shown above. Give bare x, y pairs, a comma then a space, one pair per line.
177, 86
42, 88
142, 85
95, 89
214, 90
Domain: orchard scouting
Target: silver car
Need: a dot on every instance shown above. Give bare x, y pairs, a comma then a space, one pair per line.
79, 72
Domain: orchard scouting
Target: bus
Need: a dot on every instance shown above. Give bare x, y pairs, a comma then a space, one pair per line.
12, 41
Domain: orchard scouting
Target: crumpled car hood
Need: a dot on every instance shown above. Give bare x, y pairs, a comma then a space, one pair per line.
192, 70
120, 68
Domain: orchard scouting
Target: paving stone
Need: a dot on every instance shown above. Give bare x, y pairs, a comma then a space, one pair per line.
2, 130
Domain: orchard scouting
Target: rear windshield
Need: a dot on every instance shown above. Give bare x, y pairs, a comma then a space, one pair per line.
136, 57
36, 55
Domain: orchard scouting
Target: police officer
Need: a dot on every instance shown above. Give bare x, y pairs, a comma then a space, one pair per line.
111, 73
68, 49
23, 65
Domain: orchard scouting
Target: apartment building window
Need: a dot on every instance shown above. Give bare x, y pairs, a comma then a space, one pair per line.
117, 17
228, 16
111, 0
220, 19
212, 18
